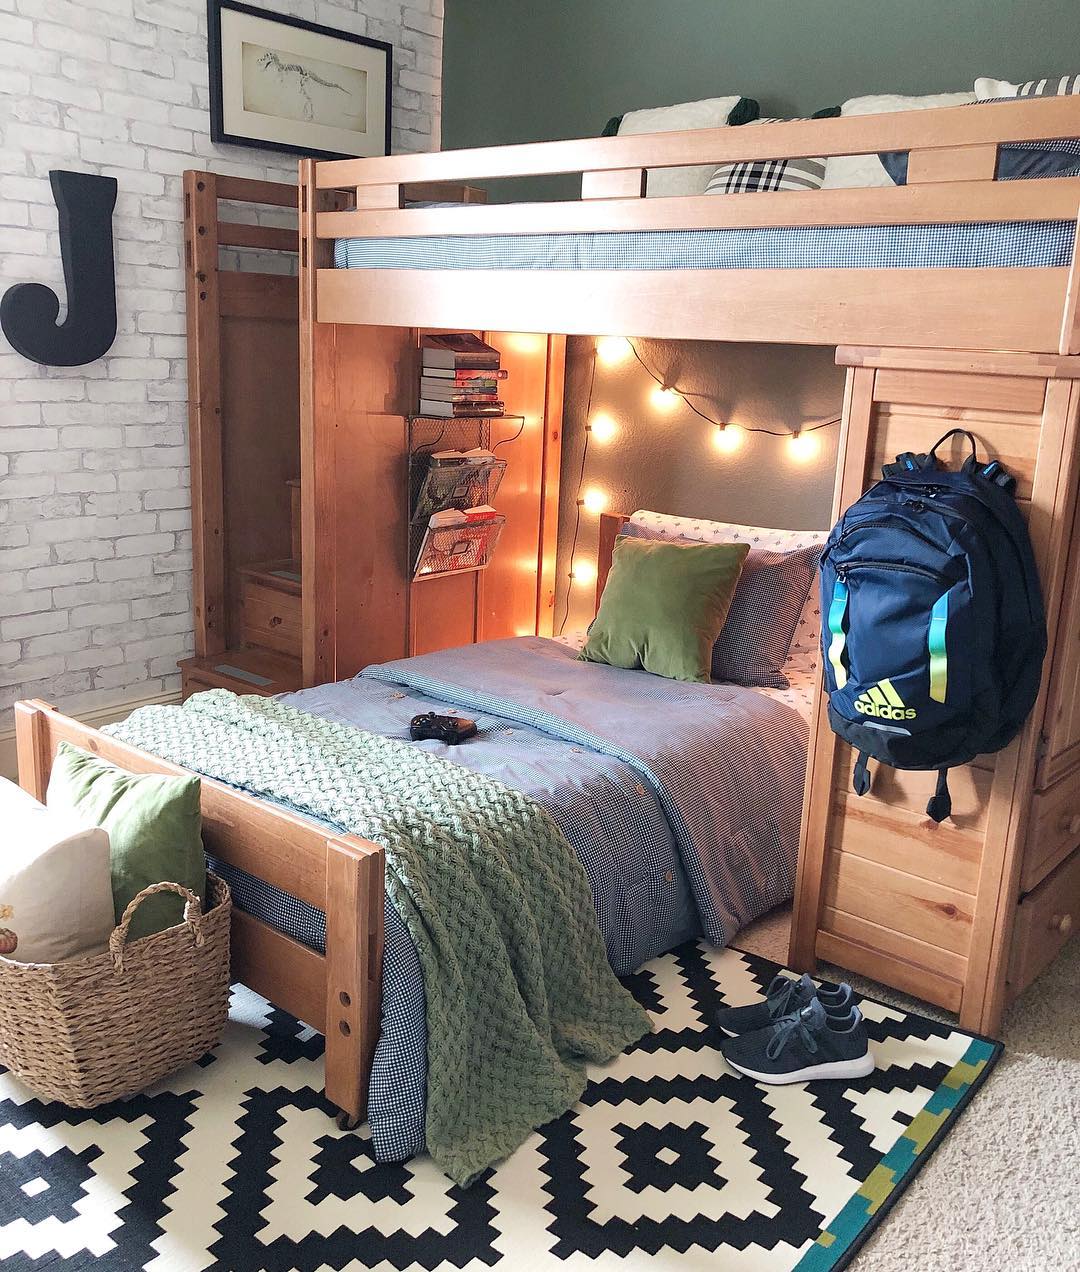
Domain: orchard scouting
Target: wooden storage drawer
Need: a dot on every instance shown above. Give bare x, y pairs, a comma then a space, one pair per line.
1053, 830
1045, 920
270, 610
258, 671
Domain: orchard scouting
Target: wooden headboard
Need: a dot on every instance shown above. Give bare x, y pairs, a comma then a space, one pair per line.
610, 525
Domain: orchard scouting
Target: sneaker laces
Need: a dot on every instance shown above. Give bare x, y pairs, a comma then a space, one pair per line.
784, 1030
778, 996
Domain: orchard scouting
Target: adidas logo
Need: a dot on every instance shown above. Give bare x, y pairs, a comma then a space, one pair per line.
884, 703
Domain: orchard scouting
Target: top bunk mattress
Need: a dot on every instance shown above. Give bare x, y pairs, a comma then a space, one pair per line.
1004, 245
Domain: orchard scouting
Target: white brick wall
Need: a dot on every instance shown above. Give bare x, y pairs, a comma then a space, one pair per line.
95, 539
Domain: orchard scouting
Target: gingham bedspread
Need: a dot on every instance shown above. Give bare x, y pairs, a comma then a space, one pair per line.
682, 801
986, 245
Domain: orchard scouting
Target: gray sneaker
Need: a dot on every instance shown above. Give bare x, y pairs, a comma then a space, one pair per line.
783, 996
807, 1045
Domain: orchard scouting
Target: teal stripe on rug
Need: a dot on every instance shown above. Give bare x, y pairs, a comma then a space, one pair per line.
889, 1174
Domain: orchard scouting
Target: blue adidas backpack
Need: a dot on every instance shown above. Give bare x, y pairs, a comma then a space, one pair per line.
934, 632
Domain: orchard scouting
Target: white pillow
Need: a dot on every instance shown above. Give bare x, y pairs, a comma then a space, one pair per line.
849, 171
698, 528
986, 90
713, 112
55, 883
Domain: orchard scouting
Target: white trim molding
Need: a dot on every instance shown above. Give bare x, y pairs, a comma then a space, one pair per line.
95, 717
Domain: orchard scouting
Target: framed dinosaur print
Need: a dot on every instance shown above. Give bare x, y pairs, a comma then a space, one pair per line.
285, 84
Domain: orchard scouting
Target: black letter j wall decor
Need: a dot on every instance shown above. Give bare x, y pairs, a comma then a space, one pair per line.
28, 311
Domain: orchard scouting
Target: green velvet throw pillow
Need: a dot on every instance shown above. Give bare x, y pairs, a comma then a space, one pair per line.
154, 826
664, 605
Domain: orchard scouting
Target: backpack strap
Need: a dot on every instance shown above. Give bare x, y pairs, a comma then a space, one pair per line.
940, 805
860, 778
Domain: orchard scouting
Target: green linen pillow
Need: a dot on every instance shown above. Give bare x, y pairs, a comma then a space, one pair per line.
154, 826
664, 605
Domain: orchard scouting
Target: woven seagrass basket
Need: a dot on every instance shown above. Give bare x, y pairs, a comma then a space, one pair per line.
90, 1030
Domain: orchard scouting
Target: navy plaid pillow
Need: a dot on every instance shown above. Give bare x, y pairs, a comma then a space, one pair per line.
757, 634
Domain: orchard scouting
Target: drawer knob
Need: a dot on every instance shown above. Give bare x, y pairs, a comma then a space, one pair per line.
1062, 923
275, 621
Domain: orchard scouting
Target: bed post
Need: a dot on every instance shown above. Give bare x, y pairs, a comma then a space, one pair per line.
316, 443
821, 752
204, 409
354, 951
610, 525
1070, 322
32, 748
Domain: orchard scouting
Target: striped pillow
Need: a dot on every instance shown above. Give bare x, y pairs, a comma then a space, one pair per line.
1061, 86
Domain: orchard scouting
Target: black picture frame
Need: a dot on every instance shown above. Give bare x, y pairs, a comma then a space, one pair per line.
219, 136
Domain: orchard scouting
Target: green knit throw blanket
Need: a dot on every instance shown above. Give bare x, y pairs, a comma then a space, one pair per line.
519, 991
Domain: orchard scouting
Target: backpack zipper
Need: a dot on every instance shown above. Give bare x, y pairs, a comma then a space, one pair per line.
843, 570
932, 493
884, 524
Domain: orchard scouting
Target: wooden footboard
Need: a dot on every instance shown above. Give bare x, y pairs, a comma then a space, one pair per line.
342, 875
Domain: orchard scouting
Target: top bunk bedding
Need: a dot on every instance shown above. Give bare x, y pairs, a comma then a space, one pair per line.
987, 245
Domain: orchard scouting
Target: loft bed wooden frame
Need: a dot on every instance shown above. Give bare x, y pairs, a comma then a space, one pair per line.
951, 168
964, 914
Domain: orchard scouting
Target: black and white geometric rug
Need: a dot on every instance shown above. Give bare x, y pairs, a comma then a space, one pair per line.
670, 1160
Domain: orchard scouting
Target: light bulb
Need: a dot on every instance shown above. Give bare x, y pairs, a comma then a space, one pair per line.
584, 572
611, 350
602, 427
727, 438
803, 447
594, 501
663, 398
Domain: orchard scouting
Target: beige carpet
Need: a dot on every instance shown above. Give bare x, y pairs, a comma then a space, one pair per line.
1003, 1190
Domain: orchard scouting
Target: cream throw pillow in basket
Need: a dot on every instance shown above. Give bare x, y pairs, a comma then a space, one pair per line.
55, 890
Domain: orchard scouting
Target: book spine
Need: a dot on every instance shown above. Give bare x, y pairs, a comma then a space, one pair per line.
464, 375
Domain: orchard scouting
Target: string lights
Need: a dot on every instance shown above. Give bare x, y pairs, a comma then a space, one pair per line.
727, 438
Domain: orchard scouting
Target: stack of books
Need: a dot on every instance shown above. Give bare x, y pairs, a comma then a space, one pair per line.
482, 514
460, 376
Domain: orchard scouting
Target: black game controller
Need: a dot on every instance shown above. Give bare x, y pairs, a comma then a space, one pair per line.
443, 728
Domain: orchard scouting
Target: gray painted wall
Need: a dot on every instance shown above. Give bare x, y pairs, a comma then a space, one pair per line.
518, 70
667, 460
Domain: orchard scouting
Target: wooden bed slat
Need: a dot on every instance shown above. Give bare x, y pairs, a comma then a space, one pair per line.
991, 123
285, 972
1057, 199
270, 238
246, 294
249, 190
962, 361
977, 308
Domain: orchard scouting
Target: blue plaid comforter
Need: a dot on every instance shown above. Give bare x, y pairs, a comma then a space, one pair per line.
683, 802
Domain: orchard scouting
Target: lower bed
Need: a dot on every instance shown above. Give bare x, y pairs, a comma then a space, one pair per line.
682, 802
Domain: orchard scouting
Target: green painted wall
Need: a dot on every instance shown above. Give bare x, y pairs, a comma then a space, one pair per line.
530, 70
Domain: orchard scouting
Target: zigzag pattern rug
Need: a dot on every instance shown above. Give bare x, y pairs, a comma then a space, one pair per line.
671, 1160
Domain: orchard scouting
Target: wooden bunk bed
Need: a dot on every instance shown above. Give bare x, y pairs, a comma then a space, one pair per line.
964, 914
